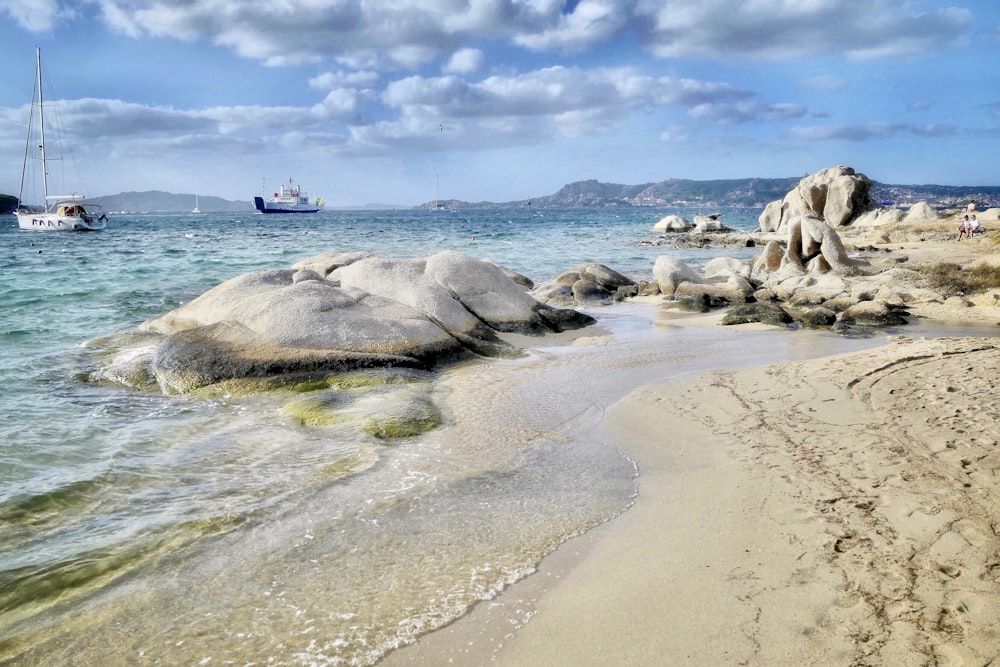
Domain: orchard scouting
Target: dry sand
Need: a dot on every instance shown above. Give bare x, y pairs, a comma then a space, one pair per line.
840, 511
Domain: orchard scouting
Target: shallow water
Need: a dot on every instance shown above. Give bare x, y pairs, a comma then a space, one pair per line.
139, 528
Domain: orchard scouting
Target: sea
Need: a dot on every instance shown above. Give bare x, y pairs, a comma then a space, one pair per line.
141, 528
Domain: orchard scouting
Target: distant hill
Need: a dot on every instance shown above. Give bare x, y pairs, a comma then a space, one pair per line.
7, 203
746, 192
156, 201
751, 192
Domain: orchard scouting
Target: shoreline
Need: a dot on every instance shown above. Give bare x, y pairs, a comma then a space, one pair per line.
798, 514
782, 524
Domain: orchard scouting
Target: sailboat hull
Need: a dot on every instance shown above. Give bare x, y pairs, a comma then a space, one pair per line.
50, 222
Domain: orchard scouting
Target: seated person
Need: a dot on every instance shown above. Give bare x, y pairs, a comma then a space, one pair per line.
963, 229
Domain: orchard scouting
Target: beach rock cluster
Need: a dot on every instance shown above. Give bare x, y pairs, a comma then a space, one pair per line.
335, 312
701, 224
587, 284
807, 278
805, 273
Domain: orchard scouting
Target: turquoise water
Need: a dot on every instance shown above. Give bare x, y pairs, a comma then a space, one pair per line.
140, 528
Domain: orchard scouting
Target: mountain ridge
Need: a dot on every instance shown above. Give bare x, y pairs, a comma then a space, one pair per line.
739, 192
591, 193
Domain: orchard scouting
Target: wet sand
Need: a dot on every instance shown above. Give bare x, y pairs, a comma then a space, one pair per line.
837, 511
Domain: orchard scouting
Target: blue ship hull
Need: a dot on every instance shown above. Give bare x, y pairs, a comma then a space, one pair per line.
265, 207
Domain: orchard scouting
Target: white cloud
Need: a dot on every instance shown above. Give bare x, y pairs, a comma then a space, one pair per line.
793, 29
34, 15
344, 105
745, 112
612, 92
465, 61
357, 79
868, 131
412, 33
590, 22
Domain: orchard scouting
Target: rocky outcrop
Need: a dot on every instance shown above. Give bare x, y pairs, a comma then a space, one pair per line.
585, 284
809, 279
836, 195
921, 211
709, 223
877, 217
814, 247
334, 313
670, 272
672, 223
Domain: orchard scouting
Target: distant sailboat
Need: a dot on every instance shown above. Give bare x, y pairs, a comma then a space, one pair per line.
196, 210
437, 204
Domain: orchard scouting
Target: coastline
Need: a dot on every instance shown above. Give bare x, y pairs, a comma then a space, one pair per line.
839, 510
802, 517
805, 518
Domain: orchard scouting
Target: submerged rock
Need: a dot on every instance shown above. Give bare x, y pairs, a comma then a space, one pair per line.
386, 413
765, 313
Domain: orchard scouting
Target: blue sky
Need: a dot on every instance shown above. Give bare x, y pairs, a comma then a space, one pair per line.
389, 101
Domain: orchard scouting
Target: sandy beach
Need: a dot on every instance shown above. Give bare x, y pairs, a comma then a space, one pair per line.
838, 511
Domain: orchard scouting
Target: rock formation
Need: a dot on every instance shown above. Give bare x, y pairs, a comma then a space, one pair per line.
586, 284
836, 195
709, 223
672, 223
331, 313
921, 211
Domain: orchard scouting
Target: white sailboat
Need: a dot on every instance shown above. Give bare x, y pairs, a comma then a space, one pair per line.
196, 210
59, 213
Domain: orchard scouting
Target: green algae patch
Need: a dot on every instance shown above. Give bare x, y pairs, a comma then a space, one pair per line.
383, 412
309, 383
346, 467
398, 414
390, 428
317, 410
240, 387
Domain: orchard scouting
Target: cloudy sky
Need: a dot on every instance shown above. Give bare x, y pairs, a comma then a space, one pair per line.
389, 101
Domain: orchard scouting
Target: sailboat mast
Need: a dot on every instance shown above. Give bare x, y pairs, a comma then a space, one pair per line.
41, 126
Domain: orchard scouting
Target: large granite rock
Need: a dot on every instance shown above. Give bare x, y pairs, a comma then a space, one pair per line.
815, 247
836, 195
333, 313
671, 272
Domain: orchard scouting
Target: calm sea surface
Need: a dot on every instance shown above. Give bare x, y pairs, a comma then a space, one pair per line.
139, 528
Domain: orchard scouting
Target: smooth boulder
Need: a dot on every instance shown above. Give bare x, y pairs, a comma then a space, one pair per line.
338, 312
